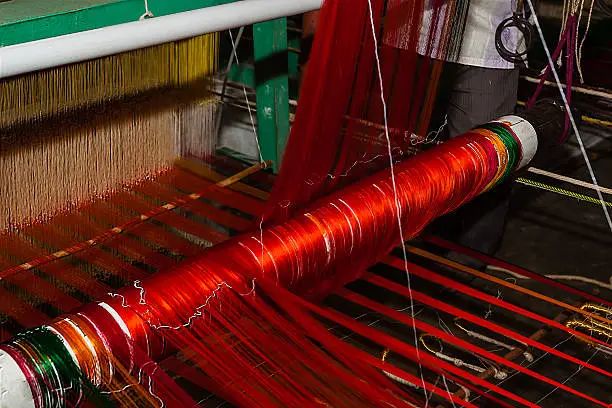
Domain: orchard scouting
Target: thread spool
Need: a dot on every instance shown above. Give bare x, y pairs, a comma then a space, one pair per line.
339, 237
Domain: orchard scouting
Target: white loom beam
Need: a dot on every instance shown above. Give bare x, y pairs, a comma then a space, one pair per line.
71, 48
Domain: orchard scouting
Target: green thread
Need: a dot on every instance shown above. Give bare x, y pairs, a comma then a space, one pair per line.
60, 379
512, 147
561, 191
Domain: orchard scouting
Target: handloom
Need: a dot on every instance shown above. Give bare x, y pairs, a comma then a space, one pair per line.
186, 288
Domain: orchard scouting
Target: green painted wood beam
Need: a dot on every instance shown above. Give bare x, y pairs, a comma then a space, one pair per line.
243, 74
294, 40
272, 87
29, 20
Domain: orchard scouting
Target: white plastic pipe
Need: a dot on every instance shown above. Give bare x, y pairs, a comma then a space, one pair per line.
14, 387
67, 49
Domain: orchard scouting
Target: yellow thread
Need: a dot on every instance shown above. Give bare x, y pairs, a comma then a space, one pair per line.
49, 168
66, 88
385, 353
561, 191
457, 320
592, 326
424, 343
593, 307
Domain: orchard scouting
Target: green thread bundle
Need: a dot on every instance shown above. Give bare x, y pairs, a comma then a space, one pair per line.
57, 375
512, 147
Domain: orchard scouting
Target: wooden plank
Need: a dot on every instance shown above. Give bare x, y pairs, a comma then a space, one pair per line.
272, 87
40, 288
59, 270
211, 175
149, 231
187, 181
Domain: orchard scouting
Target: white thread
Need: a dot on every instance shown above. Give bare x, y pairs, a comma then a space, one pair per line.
466, 391
450, 396
459, 362
578, 89
490, 309
570, 180
570, 114
140, 380
605, 350
147, 13
579, 53
256, 138
246, 98
568, 378
527, 355
497, 374
563, 18
226, 74
128, 386
260, 242
312, 180
397, 202
124, 328
195, 315
527, 366
428, 139
581, 6
401, 380
537, 360
161, 402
